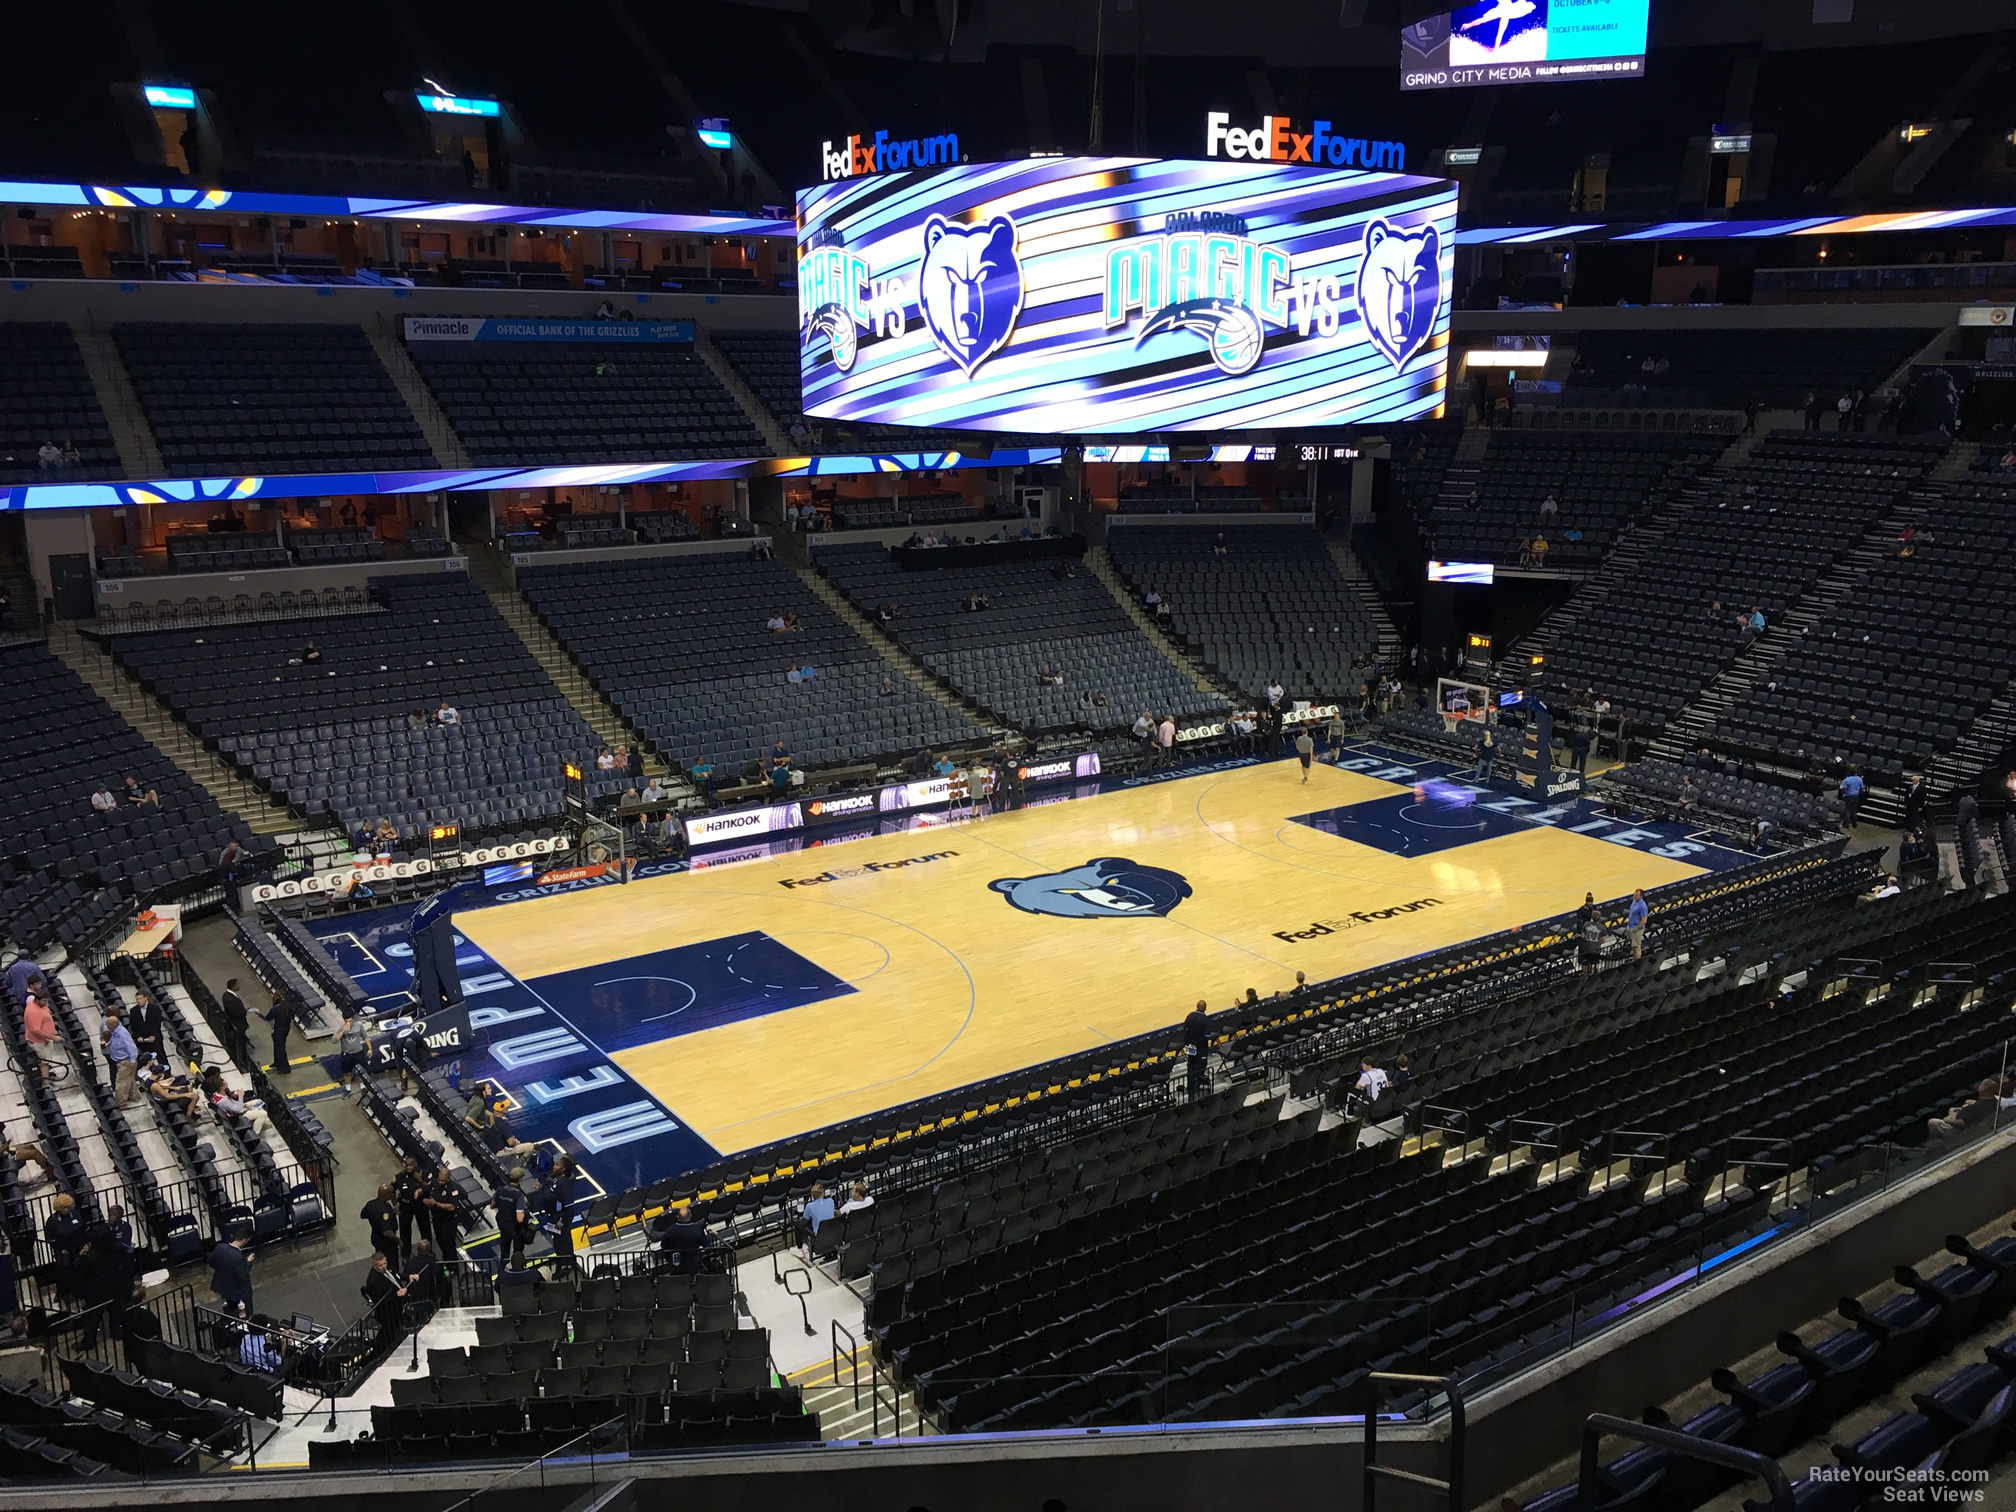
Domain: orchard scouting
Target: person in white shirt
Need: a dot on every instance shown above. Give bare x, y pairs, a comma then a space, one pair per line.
858, 1200
1165, 735
1371, 1079
1274, 691
103, 801
447, 714
1144, 727
605, 761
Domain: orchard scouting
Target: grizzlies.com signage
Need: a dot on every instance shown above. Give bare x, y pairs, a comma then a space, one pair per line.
1123, 295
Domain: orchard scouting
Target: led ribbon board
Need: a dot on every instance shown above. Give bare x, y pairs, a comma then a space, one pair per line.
1121, 295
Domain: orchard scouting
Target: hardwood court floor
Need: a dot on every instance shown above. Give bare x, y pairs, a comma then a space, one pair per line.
953, 983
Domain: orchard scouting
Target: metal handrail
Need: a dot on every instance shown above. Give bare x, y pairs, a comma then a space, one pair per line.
1452, 1488
1744, 1461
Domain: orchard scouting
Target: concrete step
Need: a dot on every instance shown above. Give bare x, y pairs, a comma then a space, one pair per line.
892, 652
487, 569
139, 454
1101, 567
448, 447
774, 435
1353, 573
262, 812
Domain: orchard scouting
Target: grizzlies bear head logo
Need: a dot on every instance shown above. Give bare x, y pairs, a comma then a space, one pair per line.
969, 288
1108, 888
1399, 288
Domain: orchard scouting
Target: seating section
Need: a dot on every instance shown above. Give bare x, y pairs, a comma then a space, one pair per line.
663, 527
1265, 601
225, 551
1799, 504
679, 646
768, 363
340, 735
1722, 790
68, 862
1776, 368
1040, 614
1296, 1261
1962, 1424
1600, 484
660, 1353
546, 401
342, 544
46, 396
244, 398
909, 509
1206, 498
88, 1435
1894, 674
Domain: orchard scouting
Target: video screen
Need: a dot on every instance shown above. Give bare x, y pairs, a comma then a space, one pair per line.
1459, 572
1525, 42
1125, 295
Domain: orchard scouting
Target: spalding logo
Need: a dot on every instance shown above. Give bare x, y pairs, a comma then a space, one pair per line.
970, 287
1399, 288
1108, 888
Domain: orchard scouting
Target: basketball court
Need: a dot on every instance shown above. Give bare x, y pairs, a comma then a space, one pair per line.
777, 994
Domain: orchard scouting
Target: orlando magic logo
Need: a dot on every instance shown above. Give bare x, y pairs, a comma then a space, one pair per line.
1108, 888
1231, 332
969, 288
1399, 288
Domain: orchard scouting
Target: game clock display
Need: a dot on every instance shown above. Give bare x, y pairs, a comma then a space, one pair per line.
1123, 295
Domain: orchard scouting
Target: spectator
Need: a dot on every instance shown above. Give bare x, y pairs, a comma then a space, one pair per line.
231, 1275
1549, 507
233, 1007
1589, 945
1634, 923
311, 653
26, 1154
228, 862
1690, 793
682, 1240
259, 1350
818, 1210
605, 760
1914, 801
857, 1199
447, 714
1196, 1049
353, 1051
49, 454
137, 796
39, 1024
1275, 692
886, 614
1403, 1073
790, 620
387, 839
229, 1102
1579, 742
1917, 862
281, 1017
1851, 791
164, 1087
143, 1022
1539, 551
102, 799
63, 1231
780, 778
1843, 408
124, 1058
1963, 1116
1165, 737
478, 1115
1587, 911
1811, 405
381, 1218
1372, 1080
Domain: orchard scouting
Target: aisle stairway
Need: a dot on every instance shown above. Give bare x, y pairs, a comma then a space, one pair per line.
265, 814
1353, 572
488, 571
890, 651
1101, 566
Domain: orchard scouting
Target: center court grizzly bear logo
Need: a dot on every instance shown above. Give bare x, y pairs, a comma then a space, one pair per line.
969, 288
1108, 888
